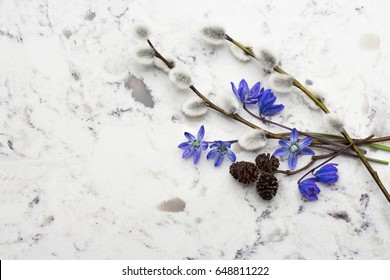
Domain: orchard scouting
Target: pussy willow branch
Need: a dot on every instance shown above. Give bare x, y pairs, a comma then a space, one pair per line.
213, 106
321, 105
233, 116
210, 104
296, 83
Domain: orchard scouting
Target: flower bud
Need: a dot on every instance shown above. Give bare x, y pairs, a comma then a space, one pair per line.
334, 122
267, 58
281, 82
228, 103
213, 34
180, 77
141, 32
239, 53
253, 140
194, 107
144, 55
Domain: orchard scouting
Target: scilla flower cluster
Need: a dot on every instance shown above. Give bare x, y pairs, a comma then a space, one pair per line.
194, 147
327, 174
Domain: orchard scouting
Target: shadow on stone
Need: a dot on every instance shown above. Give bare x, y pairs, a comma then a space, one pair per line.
139, 91
172, 205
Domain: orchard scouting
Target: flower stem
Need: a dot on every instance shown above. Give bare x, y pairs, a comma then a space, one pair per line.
313, 160
373, 173
230, 141
346, 153
332, 157
210, 104
343, 141
379, 147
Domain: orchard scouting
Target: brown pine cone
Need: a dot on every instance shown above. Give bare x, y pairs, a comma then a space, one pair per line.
267, 163
267, 186
244, 172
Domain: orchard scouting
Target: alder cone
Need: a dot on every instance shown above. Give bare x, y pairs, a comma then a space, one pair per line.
267, 163
267, 186
244, 172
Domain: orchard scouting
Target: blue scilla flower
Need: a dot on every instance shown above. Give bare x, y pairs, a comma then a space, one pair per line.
218, 150
246, 95
294, 148
194, 146
309, 188
266, 103
327, 174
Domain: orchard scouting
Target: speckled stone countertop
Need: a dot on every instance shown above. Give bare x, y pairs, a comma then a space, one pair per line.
89, 164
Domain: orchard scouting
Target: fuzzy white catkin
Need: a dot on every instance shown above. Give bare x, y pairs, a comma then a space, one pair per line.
310, 103
266, 57
228, 103
180, 77
253, 140
281, 82
161, 64
144, 55
194, 107
334, 122
213, 34
239, 53
141, 31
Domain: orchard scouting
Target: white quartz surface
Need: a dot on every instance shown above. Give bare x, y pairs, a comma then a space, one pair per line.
89, 164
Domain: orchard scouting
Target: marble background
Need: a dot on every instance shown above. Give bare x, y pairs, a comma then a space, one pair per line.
89, 165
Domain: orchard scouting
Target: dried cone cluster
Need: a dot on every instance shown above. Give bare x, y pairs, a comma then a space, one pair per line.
261, 173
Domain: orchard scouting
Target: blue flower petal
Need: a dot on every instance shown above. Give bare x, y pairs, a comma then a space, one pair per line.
305, 142
185, 146
231, 155
307, 152
216, 144
244, 85
284, 143
309, 189
292, 161
327, 174
294, 136
200, 133
189, 136
188, 153
256, 88
267, 101
204, 145
280, 152
273, 110
241, 94
212, 153
218, 160
196, 156
251, 101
